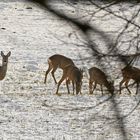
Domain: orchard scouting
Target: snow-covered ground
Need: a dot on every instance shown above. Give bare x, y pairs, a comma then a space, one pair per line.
29, 109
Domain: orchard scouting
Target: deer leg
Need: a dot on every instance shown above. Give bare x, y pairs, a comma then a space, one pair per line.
121, 83
137, 90
94, 87
73, 86
67, 84
126, 85
53, 71
90, 87
61, 80
101, 89
49, 69
80, 88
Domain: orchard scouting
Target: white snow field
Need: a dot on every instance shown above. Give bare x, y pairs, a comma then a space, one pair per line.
29, 109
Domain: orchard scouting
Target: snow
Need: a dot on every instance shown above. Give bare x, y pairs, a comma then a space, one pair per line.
29, 109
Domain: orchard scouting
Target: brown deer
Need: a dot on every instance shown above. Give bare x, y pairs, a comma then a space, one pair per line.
3, 68
57, 61
74, 74
98, 77
129, 73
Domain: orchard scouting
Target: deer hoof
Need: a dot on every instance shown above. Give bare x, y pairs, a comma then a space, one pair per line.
58, 94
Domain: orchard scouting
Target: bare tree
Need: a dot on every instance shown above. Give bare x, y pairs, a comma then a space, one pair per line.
117, 47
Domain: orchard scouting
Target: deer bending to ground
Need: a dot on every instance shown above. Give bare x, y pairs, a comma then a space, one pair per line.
129, 73
3, 68
98, 77
57, 61
72, 73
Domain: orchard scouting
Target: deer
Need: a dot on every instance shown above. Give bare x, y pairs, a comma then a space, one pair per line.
128, 73
3, 68
57, 61
97, 76
71, 74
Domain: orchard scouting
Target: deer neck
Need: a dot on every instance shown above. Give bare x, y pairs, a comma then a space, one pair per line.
3, 70
107, 85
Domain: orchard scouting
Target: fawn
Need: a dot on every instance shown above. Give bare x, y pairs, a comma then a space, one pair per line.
57, 61
98, 77
74, 74
3, 68
129, 73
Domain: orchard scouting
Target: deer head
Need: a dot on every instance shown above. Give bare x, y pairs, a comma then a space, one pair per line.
5, 57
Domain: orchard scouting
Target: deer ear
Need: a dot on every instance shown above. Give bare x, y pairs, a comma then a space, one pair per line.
2, 54
9, 54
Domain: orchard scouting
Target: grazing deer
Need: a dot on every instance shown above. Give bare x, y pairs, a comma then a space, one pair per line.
3, 68
72, 73
129, 73
98, 77
57, 61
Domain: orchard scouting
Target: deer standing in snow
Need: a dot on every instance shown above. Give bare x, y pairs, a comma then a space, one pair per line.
129, 73
97, 76
3, 68
57, 61
74, 74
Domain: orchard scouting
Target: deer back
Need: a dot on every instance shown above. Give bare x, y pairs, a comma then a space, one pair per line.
60, 61
131, 73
